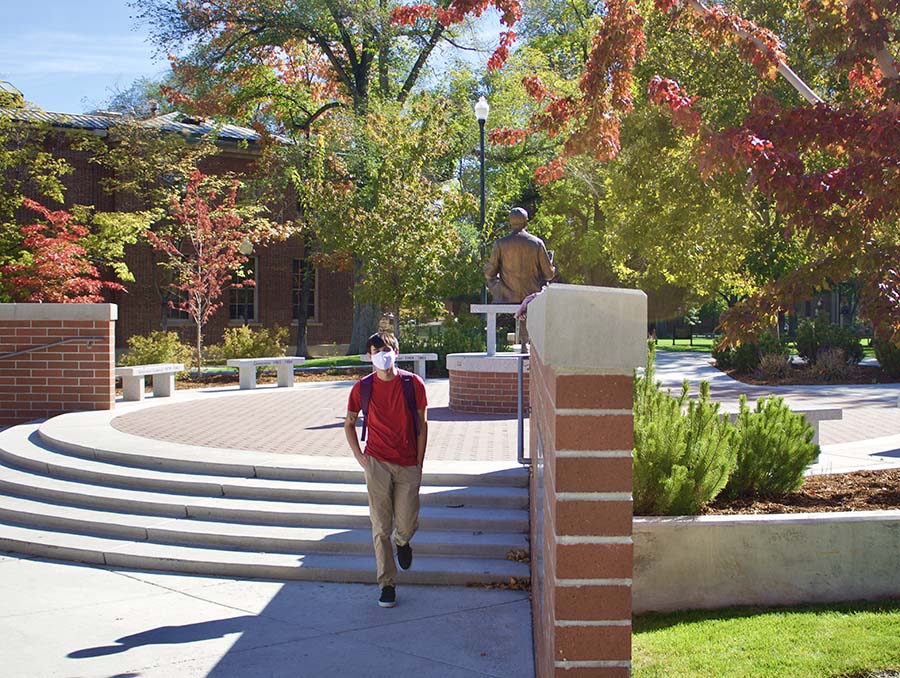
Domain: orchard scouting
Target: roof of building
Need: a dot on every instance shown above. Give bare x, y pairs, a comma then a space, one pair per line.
171, 122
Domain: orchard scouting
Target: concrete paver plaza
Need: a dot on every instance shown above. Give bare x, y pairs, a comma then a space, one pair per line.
64, 620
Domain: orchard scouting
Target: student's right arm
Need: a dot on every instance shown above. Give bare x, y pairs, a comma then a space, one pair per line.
353, 438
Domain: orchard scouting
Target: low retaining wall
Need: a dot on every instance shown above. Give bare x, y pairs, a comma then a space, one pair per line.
784, 559
486, 384
68, 377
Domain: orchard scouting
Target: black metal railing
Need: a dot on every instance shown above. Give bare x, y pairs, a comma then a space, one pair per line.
68, 340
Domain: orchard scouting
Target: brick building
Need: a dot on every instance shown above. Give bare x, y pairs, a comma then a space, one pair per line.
276, 269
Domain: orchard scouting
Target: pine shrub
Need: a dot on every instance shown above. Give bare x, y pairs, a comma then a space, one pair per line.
157, 347
773, 448
682, 460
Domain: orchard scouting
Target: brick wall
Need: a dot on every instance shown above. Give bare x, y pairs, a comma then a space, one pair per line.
71, 377
487, 392
140, 308
581, 505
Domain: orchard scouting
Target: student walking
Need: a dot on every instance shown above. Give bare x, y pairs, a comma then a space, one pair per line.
393, 404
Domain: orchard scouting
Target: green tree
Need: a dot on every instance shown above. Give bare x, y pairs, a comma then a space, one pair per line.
286, 66
400, 224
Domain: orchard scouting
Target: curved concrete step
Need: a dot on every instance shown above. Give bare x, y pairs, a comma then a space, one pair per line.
240, 536
26, 484
76, 435
220, 562
21, 447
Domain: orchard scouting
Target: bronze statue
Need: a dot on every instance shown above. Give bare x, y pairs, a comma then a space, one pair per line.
519, 263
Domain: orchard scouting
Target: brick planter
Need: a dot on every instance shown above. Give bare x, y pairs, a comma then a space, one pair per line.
486, 385
69, 377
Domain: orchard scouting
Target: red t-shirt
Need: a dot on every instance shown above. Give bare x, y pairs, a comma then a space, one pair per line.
390, 436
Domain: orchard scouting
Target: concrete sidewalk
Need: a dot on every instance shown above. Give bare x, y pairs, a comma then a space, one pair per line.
64, 621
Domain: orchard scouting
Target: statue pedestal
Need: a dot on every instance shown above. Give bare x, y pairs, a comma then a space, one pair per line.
487, 384
491, 311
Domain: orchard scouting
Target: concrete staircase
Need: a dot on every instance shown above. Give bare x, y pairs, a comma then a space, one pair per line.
67, 500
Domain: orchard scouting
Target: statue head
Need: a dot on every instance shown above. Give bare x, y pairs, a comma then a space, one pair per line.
518, 219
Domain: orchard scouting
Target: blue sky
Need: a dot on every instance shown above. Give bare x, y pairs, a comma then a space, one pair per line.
69, 56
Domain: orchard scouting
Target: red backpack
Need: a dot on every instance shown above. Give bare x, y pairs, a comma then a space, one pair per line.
409, 393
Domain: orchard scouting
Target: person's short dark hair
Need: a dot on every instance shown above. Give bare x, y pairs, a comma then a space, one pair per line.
519, 212
381, 339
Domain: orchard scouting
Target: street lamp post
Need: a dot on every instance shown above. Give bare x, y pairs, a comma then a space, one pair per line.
481, 113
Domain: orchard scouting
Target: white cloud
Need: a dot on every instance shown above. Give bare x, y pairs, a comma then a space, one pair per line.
57, 52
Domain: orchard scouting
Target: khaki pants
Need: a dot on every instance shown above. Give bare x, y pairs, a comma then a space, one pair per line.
393, 507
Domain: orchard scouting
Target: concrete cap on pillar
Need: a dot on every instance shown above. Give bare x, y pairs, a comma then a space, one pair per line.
589, 328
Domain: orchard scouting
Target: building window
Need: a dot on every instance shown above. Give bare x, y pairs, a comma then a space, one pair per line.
175, 297
312, 310
242, 301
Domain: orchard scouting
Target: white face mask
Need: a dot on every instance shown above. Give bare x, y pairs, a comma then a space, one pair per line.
384, 360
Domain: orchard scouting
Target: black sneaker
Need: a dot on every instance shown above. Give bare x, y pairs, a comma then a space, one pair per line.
388, 597
404, 556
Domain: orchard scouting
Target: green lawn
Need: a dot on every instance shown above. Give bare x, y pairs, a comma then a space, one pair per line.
336, 361
700, 345
857, 639
704, 345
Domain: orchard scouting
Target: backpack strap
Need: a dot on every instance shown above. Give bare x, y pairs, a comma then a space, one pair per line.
409, 394
365, 395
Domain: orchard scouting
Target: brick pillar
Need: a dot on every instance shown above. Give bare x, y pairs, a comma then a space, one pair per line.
585, 344
68, 377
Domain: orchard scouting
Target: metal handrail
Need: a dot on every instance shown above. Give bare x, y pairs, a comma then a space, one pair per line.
520, 433
69, 340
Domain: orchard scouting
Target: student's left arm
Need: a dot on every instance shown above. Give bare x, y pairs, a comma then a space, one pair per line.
422, 440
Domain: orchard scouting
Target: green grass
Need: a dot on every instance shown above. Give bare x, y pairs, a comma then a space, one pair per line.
334, 361
829, 640
700, 345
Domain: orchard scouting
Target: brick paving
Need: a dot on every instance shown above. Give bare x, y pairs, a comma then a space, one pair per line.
308, 420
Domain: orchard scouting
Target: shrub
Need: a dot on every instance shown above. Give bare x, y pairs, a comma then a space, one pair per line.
772, 366
246, 342
743, 358
774, 447
723, 353
888, 354
746, 356
681, 460
770, 343
831, 365
818, 334
460, 334
157, 347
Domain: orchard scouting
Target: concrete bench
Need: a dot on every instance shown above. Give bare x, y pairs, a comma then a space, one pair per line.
163, 375
417, 359
247, 369
814, 416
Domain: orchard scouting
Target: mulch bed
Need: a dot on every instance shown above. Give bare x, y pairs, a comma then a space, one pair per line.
802, 375
857, 491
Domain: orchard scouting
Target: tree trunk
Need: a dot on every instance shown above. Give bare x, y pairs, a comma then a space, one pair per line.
199, 350
365, 316
365, 323
306, 277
